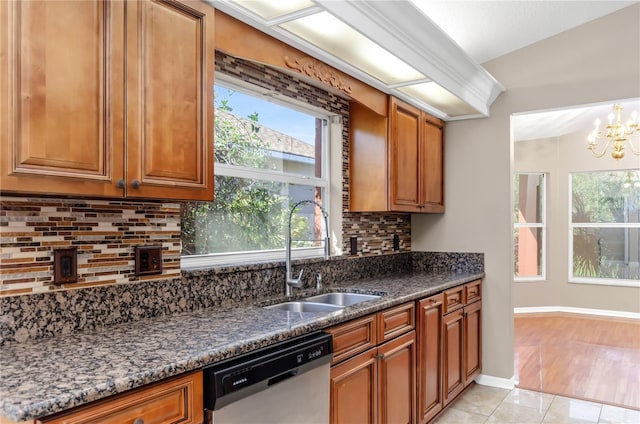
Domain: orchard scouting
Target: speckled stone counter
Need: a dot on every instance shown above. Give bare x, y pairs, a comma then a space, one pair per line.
42, 377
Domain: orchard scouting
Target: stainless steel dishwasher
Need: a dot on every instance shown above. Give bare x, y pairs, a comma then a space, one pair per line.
284, 383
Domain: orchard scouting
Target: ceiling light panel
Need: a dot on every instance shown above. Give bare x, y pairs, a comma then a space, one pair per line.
334, 37
269, 10
436, 96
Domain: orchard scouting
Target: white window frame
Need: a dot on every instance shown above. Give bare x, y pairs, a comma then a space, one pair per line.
191, 262
542, 225
572, 225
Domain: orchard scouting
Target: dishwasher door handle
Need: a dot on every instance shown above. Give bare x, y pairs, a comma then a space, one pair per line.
282, 377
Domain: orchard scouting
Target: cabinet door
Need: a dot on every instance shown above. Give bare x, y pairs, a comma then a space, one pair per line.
472, 341
429, 364
404, 145
177, 400
61, 111
453, 342
353, 390
396, 376
170, 65
367, 160
432, 164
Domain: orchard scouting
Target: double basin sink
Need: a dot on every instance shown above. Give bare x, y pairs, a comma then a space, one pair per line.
327, 302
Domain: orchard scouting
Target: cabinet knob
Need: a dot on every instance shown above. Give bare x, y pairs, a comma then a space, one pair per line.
138, 421
135, 184
120, 183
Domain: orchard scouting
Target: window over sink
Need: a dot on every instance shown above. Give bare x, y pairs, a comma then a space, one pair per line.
270, 152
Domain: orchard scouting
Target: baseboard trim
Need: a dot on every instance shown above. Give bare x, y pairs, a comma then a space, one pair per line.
572, 310
502, 383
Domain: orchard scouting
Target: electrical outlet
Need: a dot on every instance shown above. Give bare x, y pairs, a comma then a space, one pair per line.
148, 260
396, 242
65, 265
354, 245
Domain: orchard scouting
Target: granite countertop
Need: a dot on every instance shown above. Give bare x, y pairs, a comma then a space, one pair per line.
46, 376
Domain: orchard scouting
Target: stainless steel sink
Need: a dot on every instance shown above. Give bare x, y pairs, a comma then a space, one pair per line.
305, 307
342, 299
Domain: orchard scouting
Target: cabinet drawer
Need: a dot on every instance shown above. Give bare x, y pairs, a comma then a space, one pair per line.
396, 321
472, 292
175, 400
353, 337
453, 299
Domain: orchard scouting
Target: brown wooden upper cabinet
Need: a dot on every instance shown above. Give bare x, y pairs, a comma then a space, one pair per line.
107, 98
396, 162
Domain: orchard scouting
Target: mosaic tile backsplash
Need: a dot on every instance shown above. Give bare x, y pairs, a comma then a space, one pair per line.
104, 233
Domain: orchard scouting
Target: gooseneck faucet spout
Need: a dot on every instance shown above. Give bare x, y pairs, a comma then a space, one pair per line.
297, 282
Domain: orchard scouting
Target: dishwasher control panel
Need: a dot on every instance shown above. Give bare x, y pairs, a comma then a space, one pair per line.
247, 374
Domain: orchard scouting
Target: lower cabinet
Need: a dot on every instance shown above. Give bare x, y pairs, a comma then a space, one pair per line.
461, 338
429, 359
353, 389
175, 400
396, 379
453, 342
472, 341
408, 363
377, 385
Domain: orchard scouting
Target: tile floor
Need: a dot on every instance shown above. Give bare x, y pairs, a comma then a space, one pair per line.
484, 404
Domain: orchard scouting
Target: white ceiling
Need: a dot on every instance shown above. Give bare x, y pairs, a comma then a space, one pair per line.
489, 29
559, 122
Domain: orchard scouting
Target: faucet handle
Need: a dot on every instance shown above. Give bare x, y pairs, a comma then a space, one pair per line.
296, 282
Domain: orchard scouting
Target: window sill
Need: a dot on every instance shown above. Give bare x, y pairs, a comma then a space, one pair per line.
605, 282
529, 279
195, 265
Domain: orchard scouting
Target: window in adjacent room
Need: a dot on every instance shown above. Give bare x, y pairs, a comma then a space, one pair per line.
529, 233
604, 228
269, 154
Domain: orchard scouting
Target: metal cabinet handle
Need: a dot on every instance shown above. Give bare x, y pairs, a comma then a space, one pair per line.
138, 421
135, 184
120, 183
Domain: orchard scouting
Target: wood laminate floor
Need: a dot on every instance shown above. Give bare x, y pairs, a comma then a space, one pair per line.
579, 356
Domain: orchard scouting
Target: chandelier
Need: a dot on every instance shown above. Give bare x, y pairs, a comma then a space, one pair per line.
616, 134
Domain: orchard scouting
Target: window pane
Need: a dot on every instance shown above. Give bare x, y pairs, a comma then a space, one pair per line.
606, 253
528, 198
259, 134
250, 215
528, 252
606, 197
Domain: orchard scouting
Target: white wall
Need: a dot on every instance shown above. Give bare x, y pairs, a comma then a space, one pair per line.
558, 156
596, 62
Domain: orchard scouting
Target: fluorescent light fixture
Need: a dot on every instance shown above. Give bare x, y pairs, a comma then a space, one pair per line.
434, 95
336, 38
269, 10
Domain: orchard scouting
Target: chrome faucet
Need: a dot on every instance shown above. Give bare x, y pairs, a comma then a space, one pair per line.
297, 282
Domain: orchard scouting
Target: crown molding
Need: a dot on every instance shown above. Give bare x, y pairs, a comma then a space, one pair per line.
404, 30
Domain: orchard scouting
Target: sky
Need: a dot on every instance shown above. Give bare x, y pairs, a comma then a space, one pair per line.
272, 115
